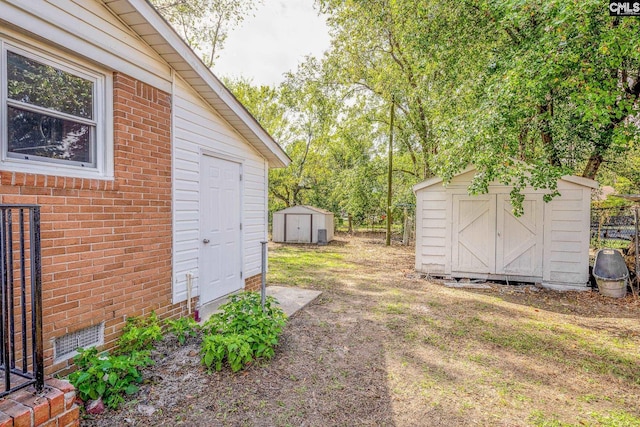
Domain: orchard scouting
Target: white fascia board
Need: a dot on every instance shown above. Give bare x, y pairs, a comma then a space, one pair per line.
426, 183
586, 182
436, 179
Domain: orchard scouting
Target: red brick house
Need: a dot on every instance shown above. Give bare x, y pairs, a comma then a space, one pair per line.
150, 175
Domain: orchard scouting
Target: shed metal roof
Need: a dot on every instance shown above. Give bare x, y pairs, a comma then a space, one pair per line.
311, 208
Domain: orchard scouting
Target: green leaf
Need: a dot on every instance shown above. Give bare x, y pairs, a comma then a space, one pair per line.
100, 388
113, 377
131, 389
208, 358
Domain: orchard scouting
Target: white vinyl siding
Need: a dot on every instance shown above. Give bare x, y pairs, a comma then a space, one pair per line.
431, 234
198, 128
96, 34
565, 246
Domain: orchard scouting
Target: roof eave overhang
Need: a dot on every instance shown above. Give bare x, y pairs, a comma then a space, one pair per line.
142, 18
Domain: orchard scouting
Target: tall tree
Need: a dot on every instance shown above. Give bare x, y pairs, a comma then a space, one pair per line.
559, 93
301, 115
205, 24
311, 111
403, 50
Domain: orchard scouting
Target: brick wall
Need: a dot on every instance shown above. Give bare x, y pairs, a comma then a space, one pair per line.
253, 283
106, 245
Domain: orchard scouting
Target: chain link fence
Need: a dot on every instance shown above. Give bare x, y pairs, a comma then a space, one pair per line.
612, 227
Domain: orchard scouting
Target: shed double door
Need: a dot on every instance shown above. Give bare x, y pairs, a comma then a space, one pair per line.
488, 239
298, 228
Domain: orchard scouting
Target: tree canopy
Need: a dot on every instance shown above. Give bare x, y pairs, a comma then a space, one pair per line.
559, 93
524, 90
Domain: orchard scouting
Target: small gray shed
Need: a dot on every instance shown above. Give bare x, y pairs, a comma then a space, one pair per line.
301, 224
463, 236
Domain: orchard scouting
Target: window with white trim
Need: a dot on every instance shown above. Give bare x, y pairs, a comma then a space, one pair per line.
53, 114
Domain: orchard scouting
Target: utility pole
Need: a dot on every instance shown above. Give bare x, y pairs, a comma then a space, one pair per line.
405, 227
390, 173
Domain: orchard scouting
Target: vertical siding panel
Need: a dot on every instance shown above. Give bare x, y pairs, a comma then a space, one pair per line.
566, 243
431, 229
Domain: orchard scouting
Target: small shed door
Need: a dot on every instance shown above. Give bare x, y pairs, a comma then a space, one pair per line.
220, 235
297, 228
519, 240
474, 229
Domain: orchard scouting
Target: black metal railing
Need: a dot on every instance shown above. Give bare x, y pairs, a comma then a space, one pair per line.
21, 282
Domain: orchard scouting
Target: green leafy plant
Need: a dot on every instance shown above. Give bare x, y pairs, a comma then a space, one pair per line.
242, 331
110, 377
183, 328
139, 334
234, 348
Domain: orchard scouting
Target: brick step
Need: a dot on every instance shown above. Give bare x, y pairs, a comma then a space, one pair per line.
54, 407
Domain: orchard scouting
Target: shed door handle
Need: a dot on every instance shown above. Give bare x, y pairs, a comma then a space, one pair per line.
205, 241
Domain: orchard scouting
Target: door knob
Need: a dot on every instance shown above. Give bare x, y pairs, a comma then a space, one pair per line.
205, 240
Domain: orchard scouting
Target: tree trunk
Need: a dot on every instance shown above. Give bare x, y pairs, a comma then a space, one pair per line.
547, 138
632, 94
601, 146
591, 169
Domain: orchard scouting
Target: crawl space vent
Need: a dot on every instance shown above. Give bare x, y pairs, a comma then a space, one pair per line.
65, 346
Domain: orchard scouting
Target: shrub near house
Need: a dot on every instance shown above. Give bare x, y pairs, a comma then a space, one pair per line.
240, 333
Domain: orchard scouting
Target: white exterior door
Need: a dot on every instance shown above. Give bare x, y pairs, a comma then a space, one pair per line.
474, 227
220, 262
489, 239
519, 240
298, 228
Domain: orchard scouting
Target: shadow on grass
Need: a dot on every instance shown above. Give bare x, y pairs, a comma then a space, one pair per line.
590, 304
462, 357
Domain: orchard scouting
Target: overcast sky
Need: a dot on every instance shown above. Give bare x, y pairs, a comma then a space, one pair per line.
272, 42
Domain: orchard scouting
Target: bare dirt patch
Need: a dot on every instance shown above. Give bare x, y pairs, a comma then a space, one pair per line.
383, 346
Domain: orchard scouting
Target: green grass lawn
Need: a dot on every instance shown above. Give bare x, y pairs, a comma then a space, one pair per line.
465, 357
298, 265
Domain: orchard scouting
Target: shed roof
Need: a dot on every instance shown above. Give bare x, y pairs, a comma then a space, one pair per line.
311, 208
585, 182
143, 18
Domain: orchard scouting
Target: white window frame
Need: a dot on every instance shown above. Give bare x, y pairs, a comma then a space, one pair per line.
102, 115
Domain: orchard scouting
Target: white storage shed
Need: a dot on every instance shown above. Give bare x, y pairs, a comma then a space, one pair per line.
300, 224
463, 236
